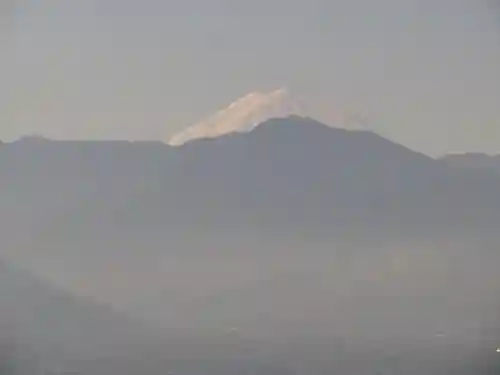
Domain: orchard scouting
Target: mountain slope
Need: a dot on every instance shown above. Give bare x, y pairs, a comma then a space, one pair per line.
299, 169
474, 160
58, 330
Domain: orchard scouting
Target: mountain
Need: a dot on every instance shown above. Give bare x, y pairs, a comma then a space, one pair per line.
241, 116
73, 209
53, 329
227, 239
474, 160
288, 177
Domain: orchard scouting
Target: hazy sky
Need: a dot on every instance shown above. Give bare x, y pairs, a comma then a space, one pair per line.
425, 72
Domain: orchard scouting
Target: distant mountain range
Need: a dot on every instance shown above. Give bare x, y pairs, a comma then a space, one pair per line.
172, 233
288, 177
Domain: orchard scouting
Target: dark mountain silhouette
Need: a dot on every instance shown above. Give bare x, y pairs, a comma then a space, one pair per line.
288, 177
242, 232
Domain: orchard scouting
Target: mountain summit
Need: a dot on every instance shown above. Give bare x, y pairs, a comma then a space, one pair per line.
241, 116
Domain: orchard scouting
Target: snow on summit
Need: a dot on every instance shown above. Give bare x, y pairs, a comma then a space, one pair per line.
240, 116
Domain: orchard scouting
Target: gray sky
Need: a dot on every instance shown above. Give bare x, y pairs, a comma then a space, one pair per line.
425, 72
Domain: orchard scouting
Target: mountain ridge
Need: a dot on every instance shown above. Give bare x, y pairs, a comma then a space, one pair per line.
238, 233
473, 160
315, 173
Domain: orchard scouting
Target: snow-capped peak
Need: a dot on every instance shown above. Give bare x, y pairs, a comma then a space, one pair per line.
241, 116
